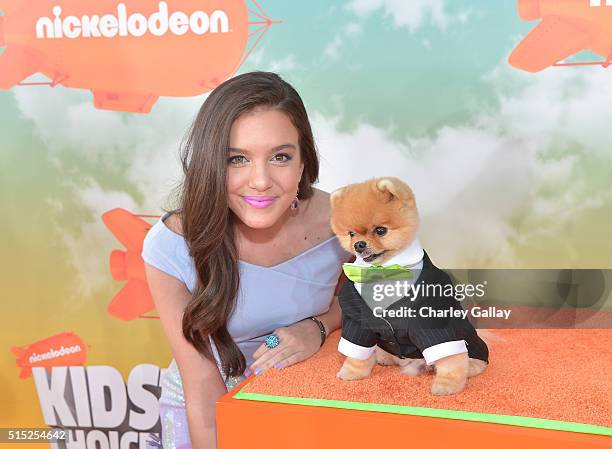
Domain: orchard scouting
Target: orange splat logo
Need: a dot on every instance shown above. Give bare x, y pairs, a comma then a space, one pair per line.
134, 299
65, 349
567, 27
128, 54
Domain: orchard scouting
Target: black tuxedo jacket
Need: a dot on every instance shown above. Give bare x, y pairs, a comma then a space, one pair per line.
408, 337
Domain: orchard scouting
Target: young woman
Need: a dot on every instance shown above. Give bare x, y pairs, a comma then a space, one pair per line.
243, 273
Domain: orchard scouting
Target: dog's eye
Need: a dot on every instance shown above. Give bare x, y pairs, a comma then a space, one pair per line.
380, 230
351, 234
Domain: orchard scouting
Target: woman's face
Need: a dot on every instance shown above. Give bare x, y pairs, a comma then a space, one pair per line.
264, 167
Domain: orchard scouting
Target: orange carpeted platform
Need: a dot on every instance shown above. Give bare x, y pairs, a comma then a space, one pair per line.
553, 387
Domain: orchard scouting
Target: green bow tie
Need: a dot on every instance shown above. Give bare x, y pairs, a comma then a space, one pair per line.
375, 273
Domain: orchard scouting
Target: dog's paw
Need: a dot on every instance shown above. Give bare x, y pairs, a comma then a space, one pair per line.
443, 386
355, 369
383, 357
476, 367
350, 374
451, 374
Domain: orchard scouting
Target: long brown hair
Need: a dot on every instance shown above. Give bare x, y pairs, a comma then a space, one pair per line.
207, 222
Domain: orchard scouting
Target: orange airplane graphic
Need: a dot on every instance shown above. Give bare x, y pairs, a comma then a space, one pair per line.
127, 53
134, 299
65, 349
567, 27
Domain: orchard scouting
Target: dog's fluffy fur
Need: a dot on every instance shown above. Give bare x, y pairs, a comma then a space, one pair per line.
357, 210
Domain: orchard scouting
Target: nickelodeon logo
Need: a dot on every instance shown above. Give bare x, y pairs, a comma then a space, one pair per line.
128, 56
54, 353
110, 25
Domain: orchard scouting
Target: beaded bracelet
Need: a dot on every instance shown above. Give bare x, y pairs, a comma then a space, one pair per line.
321, 329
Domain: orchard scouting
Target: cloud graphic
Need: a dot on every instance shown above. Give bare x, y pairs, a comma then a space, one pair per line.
504, 178
411, 14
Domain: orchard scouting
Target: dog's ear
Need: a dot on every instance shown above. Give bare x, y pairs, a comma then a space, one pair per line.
396, 188
335, 195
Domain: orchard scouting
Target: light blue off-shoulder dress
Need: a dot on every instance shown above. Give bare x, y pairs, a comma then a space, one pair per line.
268, 298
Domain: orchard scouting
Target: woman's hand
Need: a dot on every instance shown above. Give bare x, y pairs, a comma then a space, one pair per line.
297, 342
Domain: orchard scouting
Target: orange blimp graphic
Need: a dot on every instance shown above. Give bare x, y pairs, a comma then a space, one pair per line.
134, 299
127, 53
65, 349
567, 27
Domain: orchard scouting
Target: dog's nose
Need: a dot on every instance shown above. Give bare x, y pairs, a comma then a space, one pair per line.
360, 246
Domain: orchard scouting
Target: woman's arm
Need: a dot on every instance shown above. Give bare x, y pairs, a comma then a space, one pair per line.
202, 382
333, 317
300, 340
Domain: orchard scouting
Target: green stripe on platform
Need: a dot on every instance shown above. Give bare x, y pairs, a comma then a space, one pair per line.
522, 421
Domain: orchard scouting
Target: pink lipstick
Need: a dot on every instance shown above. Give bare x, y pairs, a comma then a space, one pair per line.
259, 202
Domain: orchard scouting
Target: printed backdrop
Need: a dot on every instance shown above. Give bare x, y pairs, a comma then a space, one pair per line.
509, 157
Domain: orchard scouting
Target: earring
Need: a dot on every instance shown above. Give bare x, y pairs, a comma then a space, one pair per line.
294, 203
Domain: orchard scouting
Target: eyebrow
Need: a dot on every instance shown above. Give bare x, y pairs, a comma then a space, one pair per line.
276, 148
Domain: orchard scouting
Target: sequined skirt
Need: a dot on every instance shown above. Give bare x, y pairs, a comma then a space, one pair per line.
172, 412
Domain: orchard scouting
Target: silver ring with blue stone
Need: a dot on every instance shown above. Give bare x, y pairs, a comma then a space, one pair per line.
272, 341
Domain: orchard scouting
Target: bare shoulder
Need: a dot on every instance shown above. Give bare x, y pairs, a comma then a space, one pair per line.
173, 221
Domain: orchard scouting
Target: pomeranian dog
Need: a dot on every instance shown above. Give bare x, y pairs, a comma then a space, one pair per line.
377, 221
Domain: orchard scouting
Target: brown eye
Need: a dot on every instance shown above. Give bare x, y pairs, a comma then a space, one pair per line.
380, 230
351, 234
236, 160
281, 157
